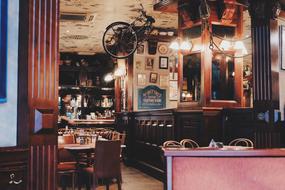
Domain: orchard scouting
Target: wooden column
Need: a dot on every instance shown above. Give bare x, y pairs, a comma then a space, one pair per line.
38, 81
265, 57
118, 95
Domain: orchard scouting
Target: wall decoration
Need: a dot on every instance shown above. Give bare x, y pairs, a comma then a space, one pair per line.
173, 64
151, 97
140, 49
3, 51
139, 65
163, 49
173, 76
149, 62
282, 46
153, 77
163, 80
141, 79
173, 90
163, 62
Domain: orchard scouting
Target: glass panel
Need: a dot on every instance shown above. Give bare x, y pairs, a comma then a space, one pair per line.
223, 80
191, 85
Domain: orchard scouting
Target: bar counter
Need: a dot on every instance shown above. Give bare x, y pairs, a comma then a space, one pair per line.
94, 122
255, 169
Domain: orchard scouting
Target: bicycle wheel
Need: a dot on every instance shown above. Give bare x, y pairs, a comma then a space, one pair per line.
120, 40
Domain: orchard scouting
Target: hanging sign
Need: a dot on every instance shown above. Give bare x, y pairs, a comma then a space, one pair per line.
151, 97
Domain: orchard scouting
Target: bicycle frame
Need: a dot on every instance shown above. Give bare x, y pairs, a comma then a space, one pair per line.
140, 30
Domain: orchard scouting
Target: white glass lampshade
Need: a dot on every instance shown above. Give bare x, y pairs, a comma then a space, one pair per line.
109, 77
225, 45
186, 46
239, 45
174, 45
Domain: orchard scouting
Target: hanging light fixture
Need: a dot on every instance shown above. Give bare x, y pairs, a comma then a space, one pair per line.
174, 45
225, 45
239, 45
186, 45
109, 77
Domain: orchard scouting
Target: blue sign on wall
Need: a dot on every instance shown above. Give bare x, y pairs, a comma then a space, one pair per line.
3, 51
151, 97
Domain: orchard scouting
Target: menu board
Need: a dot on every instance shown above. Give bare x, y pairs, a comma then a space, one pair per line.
3, 50
151, 97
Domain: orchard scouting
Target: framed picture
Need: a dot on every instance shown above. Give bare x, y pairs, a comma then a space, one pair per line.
163, 80
141, 79
173, 90
153, 77
149, 62
282, 46
140, 49
163, 62
139, 65
3, 51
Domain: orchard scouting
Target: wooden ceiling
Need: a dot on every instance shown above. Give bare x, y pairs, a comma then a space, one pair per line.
86, 36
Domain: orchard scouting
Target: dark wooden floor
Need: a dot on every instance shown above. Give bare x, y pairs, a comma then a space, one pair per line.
134, 179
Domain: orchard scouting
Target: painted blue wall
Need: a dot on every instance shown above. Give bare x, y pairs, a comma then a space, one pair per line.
8, 110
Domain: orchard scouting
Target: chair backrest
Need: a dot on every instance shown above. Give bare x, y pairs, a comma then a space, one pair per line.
241, 142
66, 139
171, 144
189, 143
65, 156
107, 159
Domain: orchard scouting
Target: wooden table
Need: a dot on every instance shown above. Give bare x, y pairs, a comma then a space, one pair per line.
216, 169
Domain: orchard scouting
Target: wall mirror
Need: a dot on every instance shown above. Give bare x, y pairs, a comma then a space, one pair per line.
191, 81
223, 77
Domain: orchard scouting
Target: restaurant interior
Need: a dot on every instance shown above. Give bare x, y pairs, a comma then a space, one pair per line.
142, 94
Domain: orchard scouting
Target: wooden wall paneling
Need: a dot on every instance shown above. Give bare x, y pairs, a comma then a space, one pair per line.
238, 123
38, 61
212, 126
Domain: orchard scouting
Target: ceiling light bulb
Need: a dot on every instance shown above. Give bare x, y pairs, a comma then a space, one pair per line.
109, 77
225, 45
174, 45
186, 46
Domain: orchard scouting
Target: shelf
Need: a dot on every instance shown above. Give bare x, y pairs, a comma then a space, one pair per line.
85, 87
167, 6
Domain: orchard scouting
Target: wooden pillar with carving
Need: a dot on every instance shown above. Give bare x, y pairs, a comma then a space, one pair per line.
265, 60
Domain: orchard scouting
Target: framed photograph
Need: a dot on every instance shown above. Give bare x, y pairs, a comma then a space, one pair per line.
173, 90
163, 80
140, 49
163, 62
3, 51
141, 79
149, 62
153, 77
282, 45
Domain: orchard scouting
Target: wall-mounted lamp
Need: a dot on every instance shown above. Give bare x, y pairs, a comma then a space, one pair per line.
226, 45
184, 45
109, 77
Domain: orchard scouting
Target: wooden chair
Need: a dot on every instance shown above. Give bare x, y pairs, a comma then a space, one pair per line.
171, 144
106, 164
241, 142
189, 143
